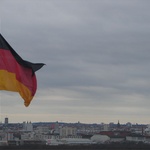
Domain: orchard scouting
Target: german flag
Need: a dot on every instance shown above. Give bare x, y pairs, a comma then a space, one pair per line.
16, 74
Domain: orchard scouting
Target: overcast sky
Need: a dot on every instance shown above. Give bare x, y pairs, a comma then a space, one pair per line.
97, 56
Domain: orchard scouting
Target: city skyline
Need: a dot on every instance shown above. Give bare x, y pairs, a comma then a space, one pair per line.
8, 120
96, 54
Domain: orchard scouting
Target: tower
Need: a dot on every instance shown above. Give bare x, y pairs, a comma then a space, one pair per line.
118, 125
6, 121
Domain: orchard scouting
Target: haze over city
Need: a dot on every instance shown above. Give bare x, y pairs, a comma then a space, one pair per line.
97, 56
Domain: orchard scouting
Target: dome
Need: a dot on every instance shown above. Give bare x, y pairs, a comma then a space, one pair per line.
100, 138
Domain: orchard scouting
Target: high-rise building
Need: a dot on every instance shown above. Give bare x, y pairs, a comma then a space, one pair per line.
6, 120
27, 126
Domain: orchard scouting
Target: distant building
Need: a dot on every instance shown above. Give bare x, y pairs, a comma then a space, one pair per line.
55, 128
147, 130
111, 125
118, 124
27, 126
128, 124
105, 127
42, 130
68, 131
6, 121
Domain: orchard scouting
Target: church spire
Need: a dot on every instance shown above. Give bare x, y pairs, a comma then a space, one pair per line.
118, 125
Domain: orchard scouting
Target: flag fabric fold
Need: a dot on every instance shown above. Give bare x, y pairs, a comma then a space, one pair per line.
16, 74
